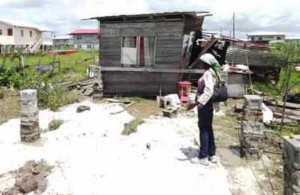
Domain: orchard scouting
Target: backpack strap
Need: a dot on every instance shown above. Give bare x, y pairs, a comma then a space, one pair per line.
216, 72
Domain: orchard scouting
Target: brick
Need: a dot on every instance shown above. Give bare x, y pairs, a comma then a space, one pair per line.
30, 138
28, 100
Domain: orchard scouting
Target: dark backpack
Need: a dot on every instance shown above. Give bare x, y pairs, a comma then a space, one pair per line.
220, 90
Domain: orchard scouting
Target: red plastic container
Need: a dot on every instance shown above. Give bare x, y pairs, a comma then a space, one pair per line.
184, 89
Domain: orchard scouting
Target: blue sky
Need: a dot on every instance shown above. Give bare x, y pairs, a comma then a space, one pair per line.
64, 16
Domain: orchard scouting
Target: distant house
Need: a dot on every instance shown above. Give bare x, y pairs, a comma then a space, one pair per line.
292, 39
85, 39
26, 37
266, 37
63, 41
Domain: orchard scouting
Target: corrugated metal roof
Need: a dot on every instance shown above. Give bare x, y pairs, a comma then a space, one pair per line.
265, 33
153, 16
84, 31
24, 24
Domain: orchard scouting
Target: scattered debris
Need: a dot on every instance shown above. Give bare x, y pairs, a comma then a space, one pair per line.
170, 112
148, 146
82, 108
30, 177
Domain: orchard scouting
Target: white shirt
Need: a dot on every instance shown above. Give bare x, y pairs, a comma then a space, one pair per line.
208, 81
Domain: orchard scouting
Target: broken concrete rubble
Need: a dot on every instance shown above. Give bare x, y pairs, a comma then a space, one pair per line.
31, 177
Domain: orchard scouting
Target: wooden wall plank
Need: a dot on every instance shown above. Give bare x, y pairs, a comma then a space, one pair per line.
144, 83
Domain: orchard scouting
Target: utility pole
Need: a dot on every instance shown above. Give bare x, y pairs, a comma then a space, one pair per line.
233, 36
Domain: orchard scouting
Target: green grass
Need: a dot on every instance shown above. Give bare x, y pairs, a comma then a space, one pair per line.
55, 124
73, 63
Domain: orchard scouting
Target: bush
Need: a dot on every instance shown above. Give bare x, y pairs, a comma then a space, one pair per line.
55, 124
131, 126
50, 93
11, 78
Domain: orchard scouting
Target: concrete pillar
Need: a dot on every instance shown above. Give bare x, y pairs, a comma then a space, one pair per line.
291, 156
29, 116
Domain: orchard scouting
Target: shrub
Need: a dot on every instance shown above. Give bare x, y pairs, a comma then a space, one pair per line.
131, 127
50, 93
55, 124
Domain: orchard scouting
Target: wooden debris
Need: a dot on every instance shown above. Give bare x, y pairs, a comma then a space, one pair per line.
86, 87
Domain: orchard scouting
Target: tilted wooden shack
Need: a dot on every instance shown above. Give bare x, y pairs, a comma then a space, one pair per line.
148, 54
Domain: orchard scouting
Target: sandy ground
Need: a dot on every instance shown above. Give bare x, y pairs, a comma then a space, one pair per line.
92, 157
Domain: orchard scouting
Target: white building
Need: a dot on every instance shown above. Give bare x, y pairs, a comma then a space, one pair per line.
266, 37
29, 38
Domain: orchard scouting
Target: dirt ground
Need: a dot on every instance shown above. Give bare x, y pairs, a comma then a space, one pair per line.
9, 105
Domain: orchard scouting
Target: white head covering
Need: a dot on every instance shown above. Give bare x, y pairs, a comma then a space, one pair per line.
208, 59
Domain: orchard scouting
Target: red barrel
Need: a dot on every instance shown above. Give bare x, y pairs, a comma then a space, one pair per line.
184, 89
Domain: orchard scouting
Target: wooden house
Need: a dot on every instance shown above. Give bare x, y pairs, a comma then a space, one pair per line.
148, 54
25, 37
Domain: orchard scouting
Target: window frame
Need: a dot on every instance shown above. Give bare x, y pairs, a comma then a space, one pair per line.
138, 50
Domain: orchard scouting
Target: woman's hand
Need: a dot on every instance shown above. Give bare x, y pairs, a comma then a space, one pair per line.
191, 106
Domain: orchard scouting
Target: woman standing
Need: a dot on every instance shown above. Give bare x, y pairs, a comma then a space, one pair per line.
205, 109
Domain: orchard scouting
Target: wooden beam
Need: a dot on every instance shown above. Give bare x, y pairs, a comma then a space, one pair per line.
125, 69
204, 50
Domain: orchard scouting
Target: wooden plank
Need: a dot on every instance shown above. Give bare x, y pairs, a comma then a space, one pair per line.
124, 69
280, 104
142, 83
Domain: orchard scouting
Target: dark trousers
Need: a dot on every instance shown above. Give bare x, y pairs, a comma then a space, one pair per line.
207, 140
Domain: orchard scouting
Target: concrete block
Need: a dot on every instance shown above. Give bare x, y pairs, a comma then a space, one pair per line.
292, 152
252, 102
28, 100
30, 138
29, 116
292, 179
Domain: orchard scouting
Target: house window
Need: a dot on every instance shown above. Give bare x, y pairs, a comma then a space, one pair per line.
89, 46
22, 33
278, 38
78, 37
79, 46
30, 33
0, 31
260, 38
10, 32
138, 51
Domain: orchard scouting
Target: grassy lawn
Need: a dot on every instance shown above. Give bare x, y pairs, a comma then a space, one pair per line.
74, 63
51, 94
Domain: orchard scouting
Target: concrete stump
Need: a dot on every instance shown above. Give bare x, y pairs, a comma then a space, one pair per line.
29, 116
252, 135
291, 156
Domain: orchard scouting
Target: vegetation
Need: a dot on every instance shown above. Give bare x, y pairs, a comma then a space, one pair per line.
55, 124
51, 93
131, 127
285, 55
